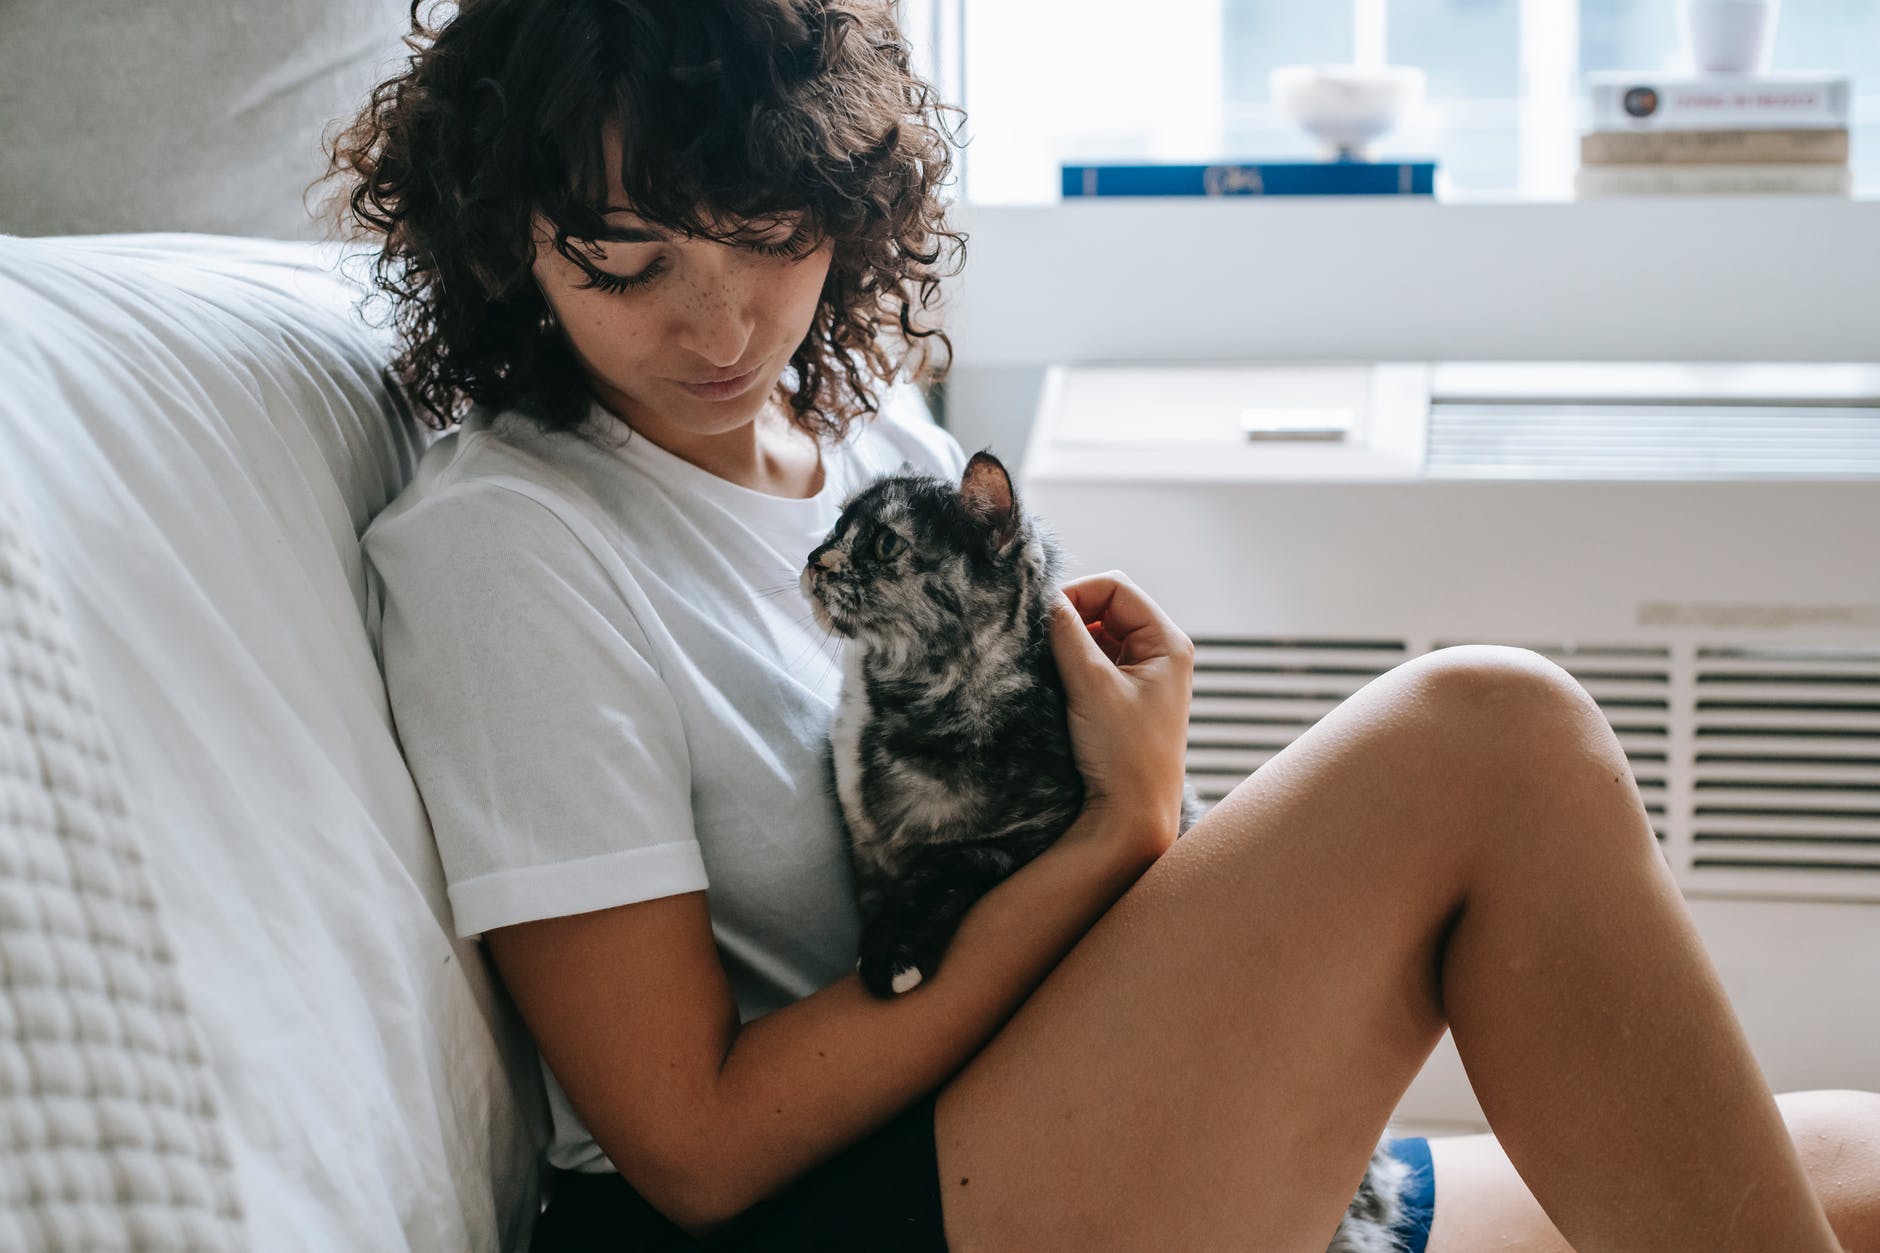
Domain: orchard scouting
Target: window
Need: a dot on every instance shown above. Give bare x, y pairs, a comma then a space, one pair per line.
1186, 80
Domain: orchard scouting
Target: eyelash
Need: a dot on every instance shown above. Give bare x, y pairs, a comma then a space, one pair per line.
603, 281
798, 245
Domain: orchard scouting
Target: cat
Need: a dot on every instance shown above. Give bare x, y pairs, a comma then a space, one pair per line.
950, 748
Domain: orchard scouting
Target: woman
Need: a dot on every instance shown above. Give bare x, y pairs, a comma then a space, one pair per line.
668, 255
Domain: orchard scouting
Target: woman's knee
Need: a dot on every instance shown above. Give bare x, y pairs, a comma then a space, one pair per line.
1415, 762
1526, 744
1441, 744
1500, 682
1512, 705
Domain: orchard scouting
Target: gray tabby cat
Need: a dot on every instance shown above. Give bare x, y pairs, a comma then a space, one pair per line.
950, 746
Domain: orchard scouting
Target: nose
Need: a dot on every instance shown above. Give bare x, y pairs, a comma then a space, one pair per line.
825, 557
717, 316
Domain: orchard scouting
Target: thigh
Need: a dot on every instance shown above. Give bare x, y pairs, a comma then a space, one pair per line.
1482, 1204
1211, 1066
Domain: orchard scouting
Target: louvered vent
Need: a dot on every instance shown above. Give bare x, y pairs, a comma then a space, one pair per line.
1253, 697
1786, 765
1643, 439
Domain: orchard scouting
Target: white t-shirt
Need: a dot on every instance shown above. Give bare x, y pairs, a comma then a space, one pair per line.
609, 689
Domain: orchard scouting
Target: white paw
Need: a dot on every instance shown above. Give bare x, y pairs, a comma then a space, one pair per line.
906, 978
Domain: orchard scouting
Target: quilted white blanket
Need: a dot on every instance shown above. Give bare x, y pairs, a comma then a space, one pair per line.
113, 1139
195, 430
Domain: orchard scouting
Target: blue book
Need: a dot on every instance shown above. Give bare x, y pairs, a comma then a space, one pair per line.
1303, 177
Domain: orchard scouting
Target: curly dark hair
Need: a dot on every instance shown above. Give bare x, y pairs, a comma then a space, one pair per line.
730, 111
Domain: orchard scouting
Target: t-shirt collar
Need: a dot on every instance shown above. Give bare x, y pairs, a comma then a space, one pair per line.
797, 514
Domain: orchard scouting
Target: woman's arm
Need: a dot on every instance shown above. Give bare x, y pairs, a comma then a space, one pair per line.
632, 1011
635, 1016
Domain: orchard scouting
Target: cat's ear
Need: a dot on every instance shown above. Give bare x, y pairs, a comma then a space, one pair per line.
986, 490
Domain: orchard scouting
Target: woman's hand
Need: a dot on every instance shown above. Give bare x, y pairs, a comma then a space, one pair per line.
1129, 674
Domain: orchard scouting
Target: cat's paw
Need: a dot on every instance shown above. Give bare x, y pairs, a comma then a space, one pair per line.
888, 973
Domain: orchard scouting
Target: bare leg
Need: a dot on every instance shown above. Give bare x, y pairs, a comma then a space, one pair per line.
1482, 1206
1211, 1065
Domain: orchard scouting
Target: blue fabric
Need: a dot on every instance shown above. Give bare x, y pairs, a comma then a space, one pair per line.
1419, 1192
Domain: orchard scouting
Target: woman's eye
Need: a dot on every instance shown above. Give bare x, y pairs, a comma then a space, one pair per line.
799, 243
887, 544
603, 281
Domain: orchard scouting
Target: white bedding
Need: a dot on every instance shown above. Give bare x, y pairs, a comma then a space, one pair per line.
196, 434
114, 1138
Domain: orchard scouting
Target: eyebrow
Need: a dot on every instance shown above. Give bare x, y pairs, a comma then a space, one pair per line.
628, 234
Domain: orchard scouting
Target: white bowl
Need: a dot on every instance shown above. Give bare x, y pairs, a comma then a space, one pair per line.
1347, 106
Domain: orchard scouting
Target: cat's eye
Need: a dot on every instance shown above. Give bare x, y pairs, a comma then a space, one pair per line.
887, 544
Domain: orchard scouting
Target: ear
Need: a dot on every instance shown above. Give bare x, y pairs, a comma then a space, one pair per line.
986, 491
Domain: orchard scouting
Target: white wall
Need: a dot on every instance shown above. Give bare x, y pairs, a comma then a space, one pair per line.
1039, 88
1712, 279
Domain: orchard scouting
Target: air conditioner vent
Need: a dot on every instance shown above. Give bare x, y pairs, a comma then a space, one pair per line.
1644, 439
1786, 760
1254, 696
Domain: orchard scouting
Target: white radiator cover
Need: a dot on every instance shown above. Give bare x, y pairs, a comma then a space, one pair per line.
1698, 544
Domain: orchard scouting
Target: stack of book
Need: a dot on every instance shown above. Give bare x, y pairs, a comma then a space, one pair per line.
1691, 133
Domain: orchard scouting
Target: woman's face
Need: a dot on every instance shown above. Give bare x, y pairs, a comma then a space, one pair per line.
683, 336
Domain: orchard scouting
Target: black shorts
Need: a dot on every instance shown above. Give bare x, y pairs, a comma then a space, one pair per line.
880, 1193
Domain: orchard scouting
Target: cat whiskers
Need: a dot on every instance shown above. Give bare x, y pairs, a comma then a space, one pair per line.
822, 644
777, 592
829, 656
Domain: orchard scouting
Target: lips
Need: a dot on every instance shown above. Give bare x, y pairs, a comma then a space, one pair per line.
723, 388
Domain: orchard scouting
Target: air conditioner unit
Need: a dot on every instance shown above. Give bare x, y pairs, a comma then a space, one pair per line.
1699, 545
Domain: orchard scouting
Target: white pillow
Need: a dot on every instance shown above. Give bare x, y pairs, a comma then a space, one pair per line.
196, 431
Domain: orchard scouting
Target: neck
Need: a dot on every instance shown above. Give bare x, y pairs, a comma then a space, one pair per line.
768, 453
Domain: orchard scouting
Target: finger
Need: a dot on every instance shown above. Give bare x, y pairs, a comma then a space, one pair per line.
1071, 639
1111, 646
1125, 612
1113, 599
1091, 593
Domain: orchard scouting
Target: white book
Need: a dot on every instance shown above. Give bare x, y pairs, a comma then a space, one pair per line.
1733, 179
1629, 100
1755, 145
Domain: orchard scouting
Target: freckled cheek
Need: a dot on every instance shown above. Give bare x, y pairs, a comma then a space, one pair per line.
604, 332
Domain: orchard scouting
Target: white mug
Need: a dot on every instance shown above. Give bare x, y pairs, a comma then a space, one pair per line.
1729, 36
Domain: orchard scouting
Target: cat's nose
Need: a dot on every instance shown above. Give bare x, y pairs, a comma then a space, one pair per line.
828, 557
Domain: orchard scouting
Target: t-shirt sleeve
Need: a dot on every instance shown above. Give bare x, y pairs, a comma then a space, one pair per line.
548, 751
